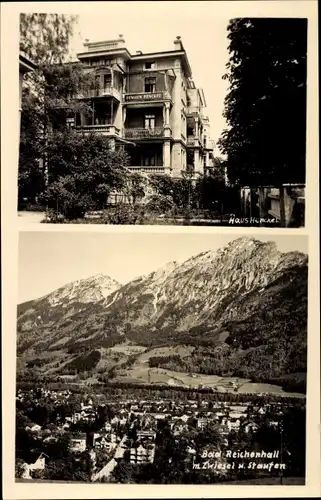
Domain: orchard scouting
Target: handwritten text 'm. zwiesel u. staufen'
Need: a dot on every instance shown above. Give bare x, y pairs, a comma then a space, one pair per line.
245, 462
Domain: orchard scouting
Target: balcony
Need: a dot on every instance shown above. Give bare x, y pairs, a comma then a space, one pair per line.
105, 92
144, 133
193, 110
146, 170
145, 97
193, 142
108, 130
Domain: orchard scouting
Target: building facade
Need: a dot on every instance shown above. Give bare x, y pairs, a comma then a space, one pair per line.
25, 66
149, 104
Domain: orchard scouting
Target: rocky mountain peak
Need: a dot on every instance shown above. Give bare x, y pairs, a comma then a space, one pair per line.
84, 290
247, 298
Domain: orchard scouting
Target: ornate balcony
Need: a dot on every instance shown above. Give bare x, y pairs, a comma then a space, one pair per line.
144, 133
105, 92
147, 170
109, 130
194, 110
193, 142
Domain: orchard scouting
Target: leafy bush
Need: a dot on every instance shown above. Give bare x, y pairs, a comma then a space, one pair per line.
125, 214
82, 171
160, 203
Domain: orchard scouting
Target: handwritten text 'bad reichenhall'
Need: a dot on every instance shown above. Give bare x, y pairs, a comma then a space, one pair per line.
207, 464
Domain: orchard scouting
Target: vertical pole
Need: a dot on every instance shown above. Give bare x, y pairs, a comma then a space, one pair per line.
281, 451
282, 208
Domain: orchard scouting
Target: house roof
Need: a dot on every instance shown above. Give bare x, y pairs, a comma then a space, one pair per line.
25, 64
81, 435
33, 456
103, 50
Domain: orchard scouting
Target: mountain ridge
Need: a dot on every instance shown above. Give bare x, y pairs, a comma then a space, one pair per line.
230, 304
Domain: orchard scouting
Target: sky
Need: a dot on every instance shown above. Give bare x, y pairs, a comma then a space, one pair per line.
153, 26
50, 259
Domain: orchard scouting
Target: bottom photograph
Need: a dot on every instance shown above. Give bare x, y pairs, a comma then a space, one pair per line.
161, 358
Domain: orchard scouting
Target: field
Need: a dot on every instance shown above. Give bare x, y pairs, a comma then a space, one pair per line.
141, 373
181, 351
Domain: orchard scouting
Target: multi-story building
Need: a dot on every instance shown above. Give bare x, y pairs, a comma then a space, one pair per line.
78, 442
25, 66
142, 454
149, 104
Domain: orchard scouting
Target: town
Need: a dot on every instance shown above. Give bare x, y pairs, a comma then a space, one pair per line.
99, 435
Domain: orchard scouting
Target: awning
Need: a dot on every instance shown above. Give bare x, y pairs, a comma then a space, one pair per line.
120, 139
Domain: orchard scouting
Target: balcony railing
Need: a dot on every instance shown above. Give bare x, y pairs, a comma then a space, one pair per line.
102, 129
194, 142
108, 91
144, 133
147, 170
147, 97
191, 110
191, 141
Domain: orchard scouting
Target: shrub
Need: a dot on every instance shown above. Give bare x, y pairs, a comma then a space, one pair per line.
125, 214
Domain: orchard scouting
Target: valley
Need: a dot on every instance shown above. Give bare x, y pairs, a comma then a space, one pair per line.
231, 320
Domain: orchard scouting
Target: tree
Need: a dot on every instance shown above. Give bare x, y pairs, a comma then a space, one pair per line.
172, 192
30, 176
265, 107
82, 171
210, 437
293, 433
219, 169
20, 468
44, 38
123, 472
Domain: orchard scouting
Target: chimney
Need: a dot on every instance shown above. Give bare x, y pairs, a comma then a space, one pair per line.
121, 39
138, 52
178, 43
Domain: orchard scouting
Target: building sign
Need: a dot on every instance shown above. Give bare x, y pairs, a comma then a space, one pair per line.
144, 97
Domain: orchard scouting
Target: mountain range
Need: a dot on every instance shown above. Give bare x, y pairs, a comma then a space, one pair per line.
240, 311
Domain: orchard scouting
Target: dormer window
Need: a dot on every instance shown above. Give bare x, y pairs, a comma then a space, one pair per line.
150, 65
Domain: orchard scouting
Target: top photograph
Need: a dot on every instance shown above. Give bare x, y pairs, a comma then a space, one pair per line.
201, 122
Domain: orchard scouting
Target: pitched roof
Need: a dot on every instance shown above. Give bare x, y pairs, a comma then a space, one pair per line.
25, 64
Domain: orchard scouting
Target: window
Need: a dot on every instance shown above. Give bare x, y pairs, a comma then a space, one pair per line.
150, 84
149, 121
97, 84
107, 81
150, 65
149, 159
